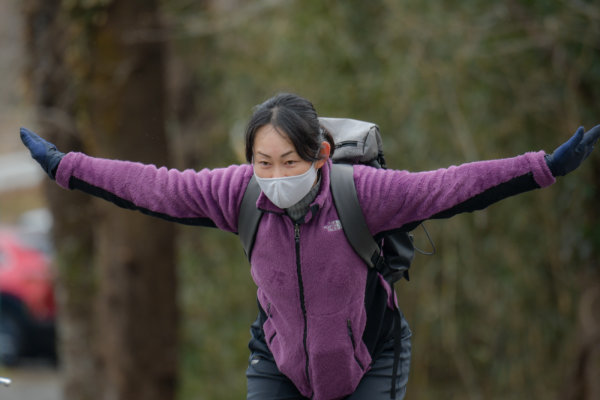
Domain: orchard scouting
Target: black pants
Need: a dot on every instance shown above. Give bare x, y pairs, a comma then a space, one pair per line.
266, 382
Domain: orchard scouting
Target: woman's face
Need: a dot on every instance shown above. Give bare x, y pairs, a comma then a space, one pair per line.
274, 155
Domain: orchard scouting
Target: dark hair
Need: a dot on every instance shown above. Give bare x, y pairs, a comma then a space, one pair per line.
293, 116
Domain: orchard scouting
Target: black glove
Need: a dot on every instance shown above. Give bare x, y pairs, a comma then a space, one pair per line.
43, 152
570, 154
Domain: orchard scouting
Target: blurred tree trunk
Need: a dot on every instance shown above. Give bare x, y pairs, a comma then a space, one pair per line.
583, 384
97, 69
135, 253
589, 309
53, 98
589, 314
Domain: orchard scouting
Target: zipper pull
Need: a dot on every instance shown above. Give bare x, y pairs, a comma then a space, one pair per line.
297, 232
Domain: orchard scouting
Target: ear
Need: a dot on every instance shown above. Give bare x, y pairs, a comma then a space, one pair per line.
323, 154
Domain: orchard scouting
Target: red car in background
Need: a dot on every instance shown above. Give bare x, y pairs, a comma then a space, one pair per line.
27, 305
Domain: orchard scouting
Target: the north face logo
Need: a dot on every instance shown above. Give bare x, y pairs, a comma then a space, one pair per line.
333, 226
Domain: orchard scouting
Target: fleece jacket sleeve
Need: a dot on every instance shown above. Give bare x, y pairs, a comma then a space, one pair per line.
394, 199
206, 197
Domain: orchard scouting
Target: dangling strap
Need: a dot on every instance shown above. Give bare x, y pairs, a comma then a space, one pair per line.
397, 348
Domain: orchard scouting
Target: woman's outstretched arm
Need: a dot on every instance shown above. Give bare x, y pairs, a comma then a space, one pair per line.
400, 199
206, 197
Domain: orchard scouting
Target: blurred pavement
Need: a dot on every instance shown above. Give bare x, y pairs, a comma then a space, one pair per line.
32, 382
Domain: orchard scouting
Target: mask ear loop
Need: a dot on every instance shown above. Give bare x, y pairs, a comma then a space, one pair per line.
322, 138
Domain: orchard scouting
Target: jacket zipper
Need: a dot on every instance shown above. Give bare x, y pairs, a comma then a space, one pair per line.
302, 303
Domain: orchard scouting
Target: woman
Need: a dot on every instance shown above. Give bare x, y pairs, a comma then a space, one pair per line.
306, 341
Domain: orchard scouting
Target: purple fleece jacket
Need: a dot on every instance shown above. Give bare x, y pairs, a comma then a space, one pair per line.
310, 281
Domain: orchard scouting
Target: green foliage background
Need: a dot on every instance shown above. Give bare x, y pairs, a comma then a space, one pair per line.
494, 312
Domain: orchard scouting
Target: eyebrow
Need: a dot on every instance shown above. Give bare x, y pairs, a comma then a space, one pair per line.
268, 156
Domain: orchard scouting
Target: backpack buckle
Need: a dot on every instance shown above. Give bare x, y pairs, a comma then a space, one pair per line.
378, 261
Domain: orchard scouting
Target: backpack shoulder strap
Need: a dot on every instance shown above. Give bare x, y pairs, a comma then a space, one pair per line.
249, 216
351, 216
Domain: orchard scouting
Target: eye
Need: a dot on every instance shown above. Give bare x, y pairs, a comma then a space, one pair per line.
263, 163
291, 163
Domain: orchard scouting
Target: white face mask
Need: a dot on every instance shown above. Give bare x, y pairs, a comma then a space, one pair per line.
286, 191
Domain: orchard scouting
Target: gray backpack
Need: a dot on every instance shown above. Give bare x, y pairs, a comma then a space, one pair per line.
356, 142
